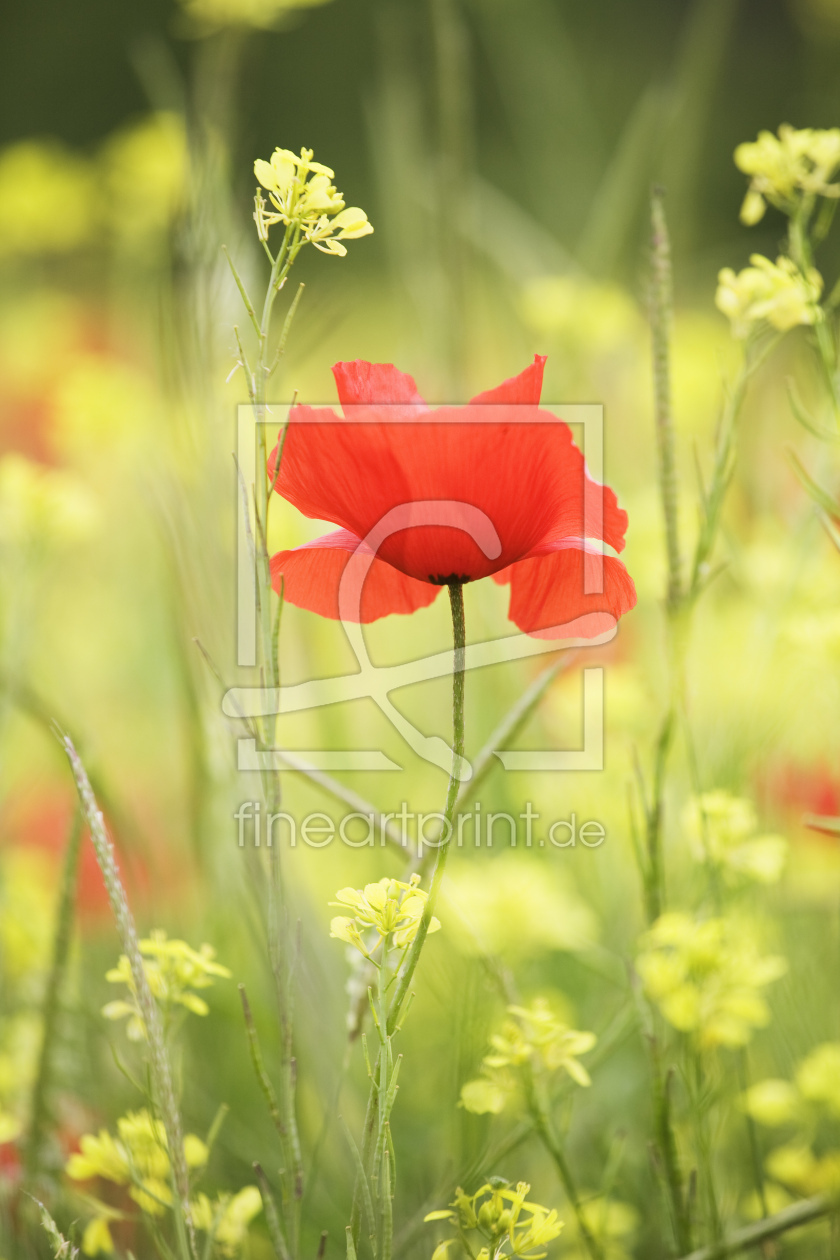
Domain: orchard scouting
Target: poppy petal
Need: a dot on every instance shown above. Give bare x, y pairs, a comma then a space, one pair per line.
510, 465
311, 578
359, 383
524, 388
547, 591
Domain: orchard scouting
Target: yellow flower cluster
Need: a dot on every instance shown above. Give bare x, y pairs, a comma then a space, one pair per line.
777, 293
173, 970
390, 908
534, 1039
54, 201
502, 1216
721, 830
301, 192
782, 168
805, 1104
706, 977
138, 1158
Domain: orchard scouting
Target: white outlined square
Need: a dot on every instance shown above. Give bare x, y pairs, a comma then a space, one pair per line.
377, 683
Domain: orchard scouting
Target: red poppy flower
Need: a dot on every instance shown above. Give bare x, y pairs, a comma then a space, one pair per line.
428, 496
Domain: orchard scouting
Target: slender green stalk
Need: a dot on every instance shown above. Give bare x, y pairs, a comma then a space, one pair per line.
161, 1070
388, 1017
545, 1131
752, 1137
667, 1149
52, 999
282, 1106
456, 599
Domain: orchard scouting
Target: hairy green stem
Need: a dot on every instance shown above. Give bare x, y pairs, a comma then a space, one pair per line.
161, 1069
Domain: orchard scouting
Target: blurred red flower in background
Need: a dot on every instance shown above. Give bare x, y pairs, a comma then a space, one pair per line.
43, 826
496, 488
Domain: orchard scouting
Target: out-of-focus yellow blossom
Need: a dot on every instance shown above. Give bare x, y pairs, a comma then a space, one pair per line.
706, 976
784, 167
390, 908
41, 505
263, 15
227, 1218
42, 324
303, 196
137, 1157
772, 1102
798, 1168
813, 1095
534, 1039
144, 176
100, 401
776, 292
27, 898
611, 1223
10, 1128
174, 969
516, 906
96, 1239
501, 1215
594, 318
47, 200
20, 1043
722, 831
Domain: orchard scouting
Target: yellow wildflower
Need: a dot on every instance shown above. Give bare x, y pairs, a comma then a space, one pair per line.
302, 196
228, 1218
47, 199
534, 1039
706, 977
173, 970
390, 908
502, 1216
775, 292
137, 1157
97, 1237
784, 167
722, 828
809, 1161
144, 169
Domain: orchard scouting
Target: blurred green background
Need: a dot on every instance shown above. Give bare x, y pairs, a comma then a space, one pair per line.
504, 152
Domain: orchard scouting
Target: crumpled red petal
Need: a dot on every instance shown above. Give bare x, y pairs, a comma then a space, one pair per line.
311, 578
548, 599
360, 382
518, 467
524, 388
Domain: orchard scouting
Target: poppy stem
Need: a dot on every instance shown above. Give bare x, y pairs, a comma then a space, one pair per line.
456, 600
